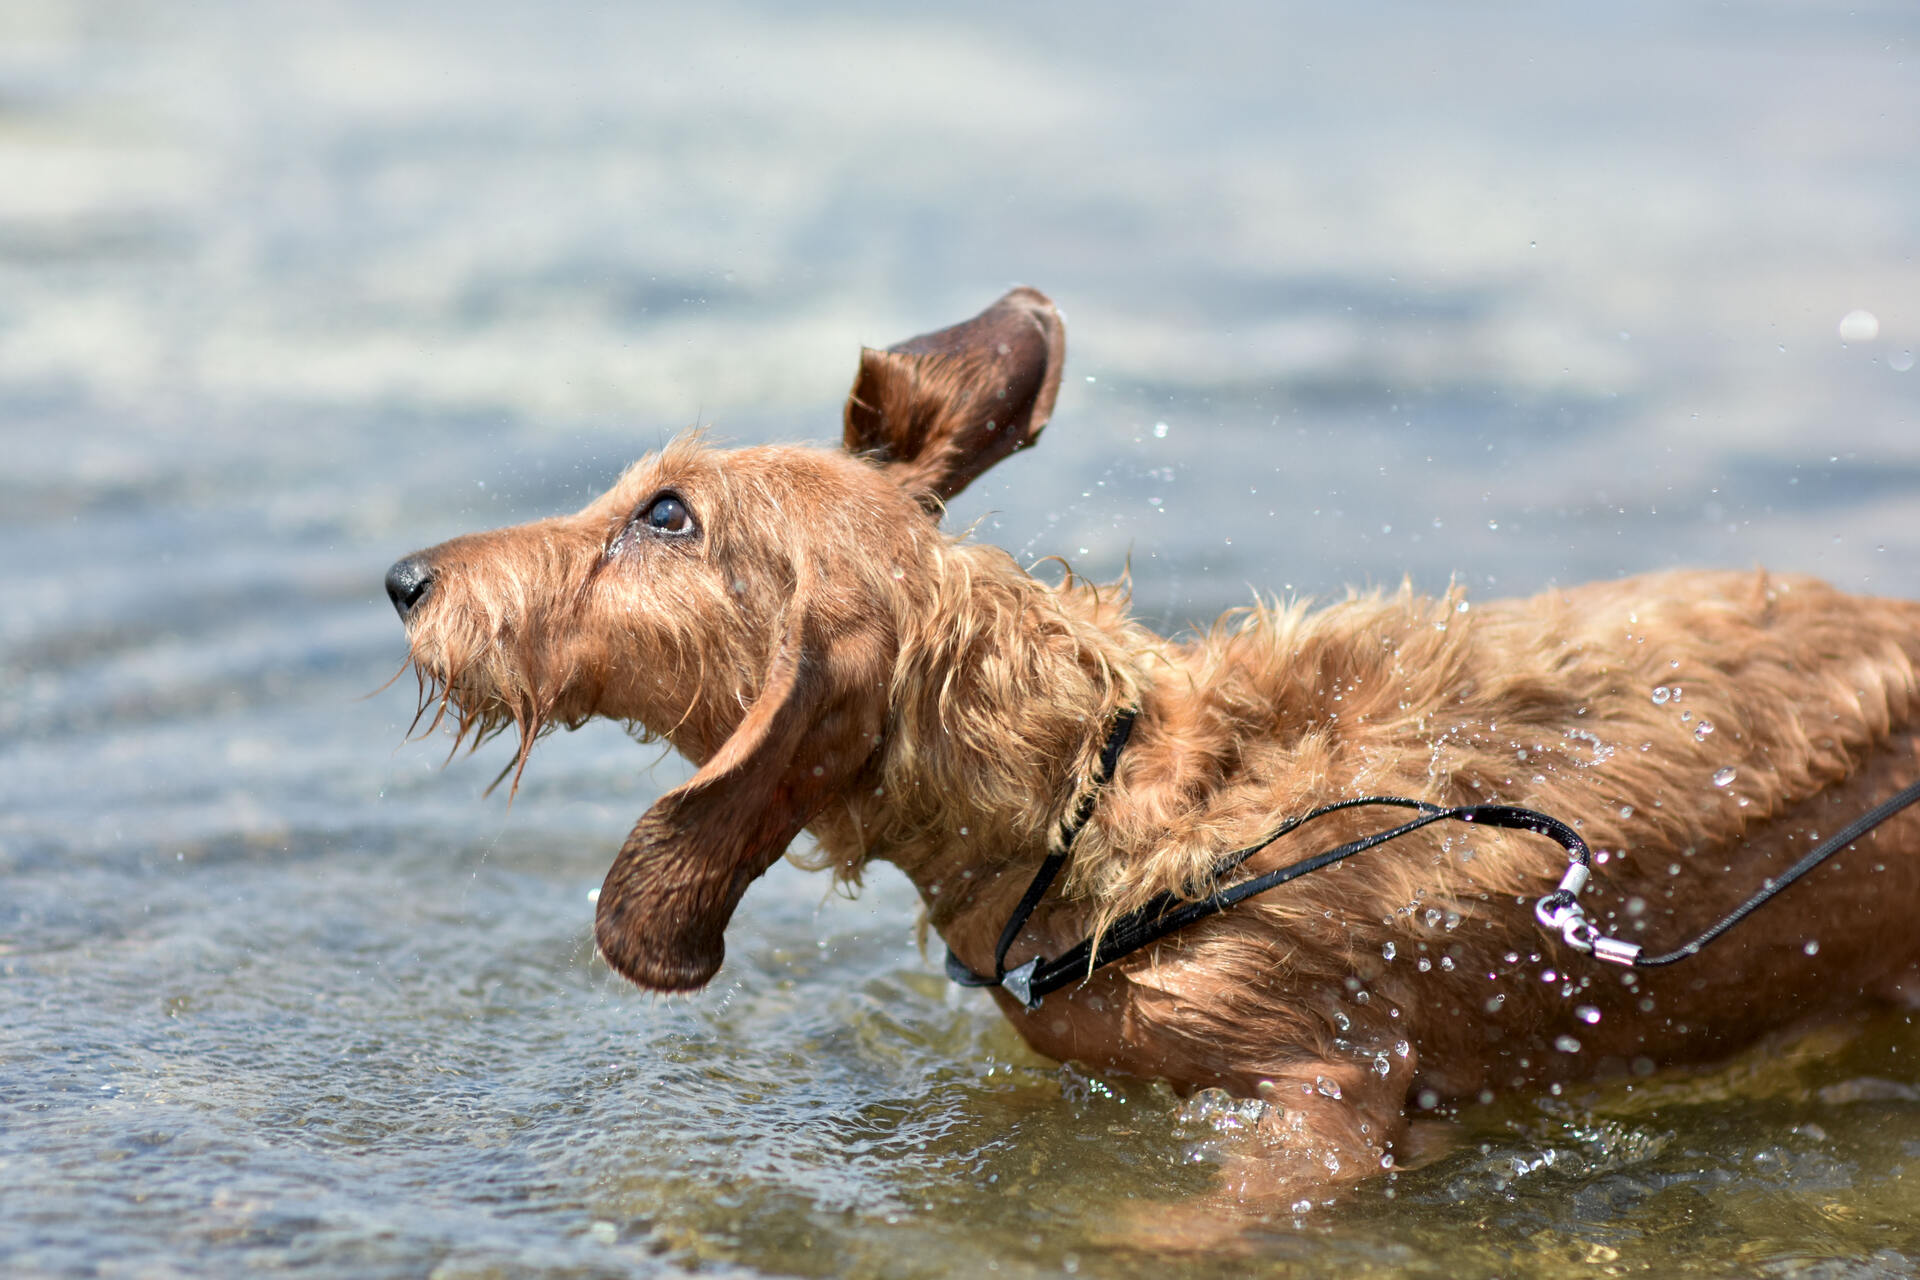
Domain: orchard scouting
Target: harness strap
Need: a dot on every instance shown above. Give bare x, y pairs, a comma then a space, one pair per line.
1168, 912
1049, 869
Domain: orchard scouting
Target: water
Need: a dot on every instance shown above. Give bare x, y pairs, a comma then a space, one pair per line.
289, 290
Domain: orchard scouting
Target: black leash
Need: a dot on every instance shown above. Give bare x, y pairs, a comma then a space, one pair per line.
1166, 913
1561, 912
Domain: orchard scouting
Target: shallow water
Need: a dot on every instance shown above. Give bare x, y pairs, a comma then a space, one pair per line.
287, 291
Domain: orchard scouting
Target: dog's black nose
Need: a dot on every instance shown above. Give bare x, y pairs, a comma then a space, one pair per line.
407, 582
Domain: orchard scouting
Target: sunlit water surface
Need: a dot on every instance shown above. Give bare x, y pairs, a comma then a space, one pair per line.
287, 291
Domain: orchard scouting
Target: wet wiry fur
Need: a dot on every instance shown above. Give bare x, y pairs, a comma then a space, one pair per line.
834, 661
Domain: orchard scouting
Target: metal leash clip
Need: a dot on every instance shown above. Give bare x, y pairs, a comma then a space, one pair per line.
1560, 912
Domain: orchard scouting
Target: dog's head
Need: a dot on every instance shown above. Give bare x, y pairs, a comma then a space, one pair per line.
745, 605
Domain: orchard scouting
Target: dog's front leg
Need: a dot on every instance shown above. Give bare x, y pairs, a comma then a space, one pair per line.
1326, 1125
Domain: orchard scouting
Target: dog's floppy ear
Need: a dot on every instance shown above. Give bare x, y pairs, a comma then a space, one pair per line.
941, 408
666, 901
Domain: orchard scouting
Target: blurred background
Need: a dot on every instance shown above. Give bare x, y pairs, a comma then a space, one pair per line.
1473, 292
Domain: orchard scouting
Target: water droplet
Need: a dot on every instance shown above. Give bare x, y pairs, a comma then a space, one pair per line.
1724, 777
1401, 1048
1388, 951
1302, 1206
1626, 811
1159, 431
1900, 361
1567, 1044
1493, 524
1446, 963
1382, 1067
1701, 730
1587, 1014
1859, 326
1326, 1088
1425, 964
1813, 947
1660, 695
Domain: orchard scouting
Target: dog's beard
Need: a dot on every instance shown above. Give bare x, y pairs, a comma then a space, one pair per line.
477, 706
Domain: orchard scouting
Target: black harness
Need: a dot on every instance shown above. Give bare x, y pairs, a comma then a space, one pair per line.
1560, 910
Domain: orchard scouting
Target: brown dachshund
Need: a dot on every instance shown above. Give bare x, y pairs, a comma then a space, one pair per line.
795, 621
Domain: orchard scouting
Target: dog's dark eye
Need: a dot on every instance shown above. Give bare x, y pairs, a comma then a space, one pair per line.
667, 514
